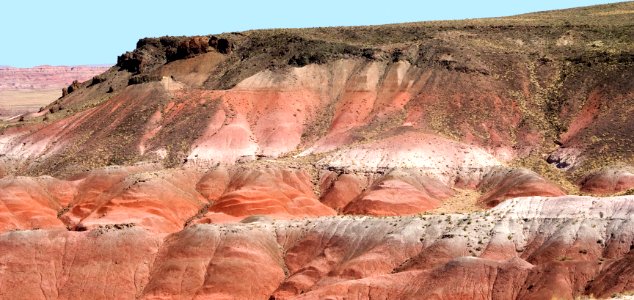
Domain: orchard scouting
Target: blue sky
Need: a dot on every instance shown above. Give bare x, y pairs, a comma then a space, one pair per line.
95, 32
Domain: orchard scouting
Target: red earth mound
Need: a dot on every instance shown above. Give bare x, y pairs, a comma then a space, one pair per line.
608, 181
281, 193
399, 194
28, 203
155, 199
531, 248
166, 200
502, 183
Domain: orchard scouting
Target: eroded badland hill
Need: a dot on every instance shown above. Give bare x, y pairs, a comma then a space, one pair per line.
486, 158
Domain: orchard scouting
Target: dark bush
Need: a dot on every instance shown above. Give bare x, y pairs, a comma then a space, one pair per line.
138, 79
97, 79
73, 86
224, 46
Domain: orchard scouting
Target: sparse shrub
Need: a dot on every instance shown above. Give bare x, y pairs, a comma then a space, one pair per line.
138, 79
97, 79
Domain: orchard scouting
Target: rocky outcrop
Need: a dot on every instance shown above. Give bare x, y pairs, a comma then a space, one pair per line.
222, 45
150, 53
71, 88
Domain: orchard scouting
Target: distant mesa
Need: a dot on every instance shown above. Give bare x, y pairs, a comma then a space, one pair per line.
26, 90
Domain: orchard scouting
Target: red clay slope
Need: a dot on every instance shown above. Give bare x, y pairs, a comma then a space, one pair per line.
609, 180
532, 248
165, 200
157, 200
